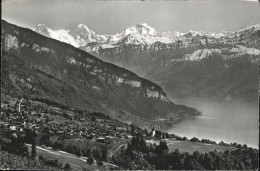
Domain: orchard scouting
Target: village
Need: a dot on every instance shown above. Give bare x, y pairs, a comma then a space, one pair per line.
20, 114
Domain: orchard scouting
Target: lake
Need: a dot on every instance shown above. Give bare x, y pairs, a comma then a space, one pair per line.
229, 121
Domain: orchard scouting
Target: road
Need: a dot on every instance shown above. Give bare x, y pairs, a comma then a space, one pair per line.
117, 149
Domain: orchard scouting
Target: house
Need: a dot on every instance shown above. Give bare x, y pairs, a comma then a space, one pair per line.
129, 136
121, 129
33, 112
101, 139
152, 133
82, 119
12, 128
21, 130
89, 136
123, 135
59, 132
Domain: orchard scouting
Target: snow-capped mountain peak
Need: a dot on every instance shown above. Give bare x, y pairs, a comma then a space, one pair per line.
61, 35
145, 25
40, 26
84, 35
84, 29
142, 29
253, 27
174, 34
83, 26
141, 34
194, 33
42, 29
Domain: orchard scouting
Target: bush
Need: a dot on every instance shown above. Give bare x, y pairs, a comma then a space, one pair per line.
53, 163
11, 161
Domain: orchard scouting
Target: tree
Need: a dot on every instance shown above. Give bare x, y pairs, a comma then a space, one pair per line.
167, 135
196, 155
46, 137
137, 162
239, 146
74, 149
245, 146
137, 143
194, 139
184, 138
96, 154
34, 143
79, 153
104, 154
31, 139
207, 162
57, 146
222, 143
188, 162
162, 149
174, 160
99, 163
146, 132
87, 154
90, 160
67, 167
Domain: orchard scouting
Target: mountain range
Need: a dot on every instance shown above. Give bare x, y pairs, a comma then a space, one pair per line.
222, 66
38, 67
81, 36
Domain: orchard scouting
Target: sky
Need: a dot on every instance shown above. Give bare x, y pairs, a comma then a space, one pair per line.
110, 17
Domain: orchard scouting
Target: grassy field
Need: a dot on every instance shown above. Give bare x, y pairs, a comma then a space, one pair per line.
190, 147
84, 144
77, 163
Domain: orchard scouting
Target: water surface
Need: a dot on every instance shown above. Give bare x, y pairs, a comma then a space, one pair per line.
227, 121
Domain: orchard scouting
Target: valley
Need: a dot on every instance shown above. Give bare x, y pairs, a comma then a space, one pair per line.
88, 85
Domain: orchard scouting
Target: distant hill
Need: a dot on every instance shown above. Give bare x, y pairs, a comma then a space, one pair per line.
39, 67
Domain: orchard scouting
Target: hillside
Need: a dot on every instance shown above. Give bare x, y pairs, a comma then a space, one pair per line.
43, 68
